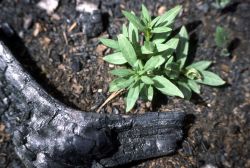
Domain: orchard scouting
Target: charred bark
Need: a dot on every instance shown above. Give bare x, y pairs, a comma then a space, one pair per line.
46, 133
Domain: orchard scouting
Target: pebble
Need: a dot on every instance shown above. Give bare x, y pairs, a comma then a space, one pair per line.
55, 16
148, 104
37, 29
161, 10
115, 110
209, 166
5, 101
100, 49
85, 6
48, 5
111, 66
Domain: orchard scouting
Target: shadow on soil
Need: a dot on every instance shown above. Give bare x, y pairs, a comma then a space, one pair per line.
230, 8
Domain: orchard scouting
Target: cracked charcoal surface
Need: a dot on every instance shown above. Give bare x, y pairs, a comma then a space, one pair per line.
49, 134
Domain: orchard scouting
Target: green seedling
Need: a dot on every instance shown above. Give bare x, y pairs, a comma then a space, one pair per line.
148, 57
222, 41
221, 4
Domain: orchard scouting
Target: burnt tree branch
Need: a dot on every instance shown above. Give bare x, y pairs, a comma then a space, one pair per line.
46, 133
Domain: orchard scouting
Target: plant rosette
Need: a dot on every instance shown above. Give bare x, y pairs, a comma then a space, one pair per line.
150, 56
222, 41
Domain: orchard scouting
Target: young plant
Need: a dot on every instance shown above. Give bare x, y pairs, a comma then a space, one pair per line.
221, 4
151, 57
222, 40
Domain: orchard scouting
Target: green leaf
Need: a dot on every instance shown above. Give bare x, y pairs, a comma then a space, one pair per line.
172, 70
185, 90
145, 50
194, 86
110, 43
133, 33
144, 21
149, 45
115, 58
122, 72
138, 48
170, 46
221, 4
161, 60
124, 30
134, 20
201, 65
161, 30
160, 37
120, 83
221, 37
166, 86
145, 13
182, 49
127, 50
147, 92
138, 65
154, 21
132, 96
150, 93
210, 78
144, 91
224, 3
142, 85
153, 62
169, 61
147, 80
168, 17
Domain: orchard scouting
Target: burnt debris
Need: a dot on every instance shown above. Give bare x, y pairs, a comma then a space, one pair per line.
46, 133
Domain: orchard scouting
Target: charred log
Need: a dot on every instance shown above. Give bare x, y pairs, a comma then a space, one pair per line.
47, 133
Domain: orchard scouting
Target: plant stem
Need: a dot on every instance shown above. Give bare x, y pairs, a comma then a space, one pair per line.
147, 35
112, 96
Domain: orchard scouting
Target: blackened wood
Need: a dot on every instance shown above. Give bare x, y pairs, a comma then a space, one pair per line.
46, 133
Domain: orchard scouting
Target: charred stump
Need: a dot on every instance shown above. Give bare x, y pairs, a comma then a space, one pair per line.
47, 133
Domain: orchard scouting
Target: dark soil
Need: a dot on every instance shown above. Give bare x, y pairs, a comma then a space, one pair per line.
69, 65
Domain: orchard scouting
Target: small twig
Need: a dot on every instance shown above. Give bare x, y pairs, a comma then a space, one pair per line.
76, 34
72, 27
65, 38
112, 96
81, 53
